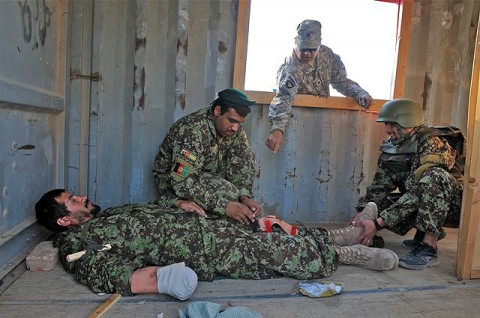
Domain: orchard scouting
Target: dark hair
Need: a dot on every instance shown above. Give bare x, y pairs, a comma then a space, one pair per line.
224, 106
48, 210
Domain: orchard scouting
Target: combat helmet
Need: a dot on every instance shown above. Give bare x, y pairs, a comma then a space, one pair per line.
405, 112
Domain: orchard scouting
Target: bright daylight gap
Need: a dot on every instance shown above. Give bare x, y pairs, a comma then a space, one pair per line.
362, 32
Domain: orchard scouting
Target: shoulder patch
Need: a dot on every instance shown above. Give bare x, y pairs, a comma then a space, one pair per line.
181, 169
188, 155
290, 82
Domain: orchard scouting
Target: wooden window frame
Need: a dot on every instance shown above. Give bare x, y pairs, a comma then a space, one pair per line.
264, 98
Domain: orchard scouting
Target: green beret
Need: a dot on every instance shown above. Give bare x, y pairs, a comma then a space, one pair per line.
235, 96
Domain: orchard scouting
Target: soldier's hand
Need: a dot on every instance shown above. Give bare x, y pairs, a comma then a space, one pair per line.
365, 101
252, 205
354, 220
369, 231
190, 206
240, 212
274, 140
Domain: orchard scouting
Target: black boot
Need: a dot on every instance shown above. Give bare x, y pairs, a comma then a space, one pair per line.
378, 242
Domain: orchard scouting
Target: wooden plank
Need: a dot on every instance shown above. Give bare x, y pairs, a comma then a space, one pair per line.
241, 46
403, 43
470, 213
336, 102
475, 274
105, 306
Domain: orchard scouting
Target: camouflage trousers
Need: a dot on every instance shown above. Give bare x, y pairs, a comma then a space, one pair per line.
147, 235
433, 202
308, 255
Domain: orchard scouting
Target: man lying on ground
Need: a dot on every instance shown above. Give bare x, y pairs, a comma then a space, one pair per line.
165, 250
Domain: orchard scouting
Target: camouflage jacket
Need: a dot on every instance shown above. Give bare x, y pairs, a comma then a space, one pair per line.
140, 235
402, 163
194, 164
296, 77
144, 235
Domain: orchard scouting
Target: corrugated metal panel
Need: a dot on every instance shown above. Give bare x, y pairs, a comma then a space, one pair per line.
319, 173
31, 119
159, 60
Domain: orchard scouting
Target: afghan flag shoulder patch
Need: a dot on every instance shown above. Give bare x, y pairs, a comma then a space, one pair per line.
181, 169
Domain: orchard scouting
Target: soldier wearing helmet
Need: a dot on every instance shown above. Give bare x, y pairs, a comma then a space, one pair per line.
420, 165
310, 69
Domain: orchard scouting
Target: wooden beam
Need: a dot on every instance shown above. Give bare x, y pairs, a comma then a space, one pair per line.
405, 10
264, 98
105, 306
241, 46
469, 225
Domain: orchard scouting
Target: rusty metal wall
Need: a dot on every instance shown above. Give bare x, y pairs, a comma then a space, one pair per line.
136, 66
32, 103
160, 60
323, 166
153, 62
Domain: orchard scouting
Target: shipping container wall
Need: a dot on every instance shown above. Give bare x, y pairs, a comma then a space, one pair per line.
88, 90
32, 122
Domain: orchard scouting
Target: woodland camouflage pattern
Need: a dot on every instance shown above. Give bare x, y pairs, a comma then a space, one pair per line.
194, 165
421, 165
296, 77
147, 235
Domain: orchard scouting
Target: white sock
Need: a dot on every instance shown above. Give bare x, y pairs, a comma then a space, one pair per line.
177, 280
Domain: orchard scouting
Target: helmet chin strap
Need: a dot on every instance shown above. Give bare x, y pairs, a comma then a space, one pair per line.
405, 132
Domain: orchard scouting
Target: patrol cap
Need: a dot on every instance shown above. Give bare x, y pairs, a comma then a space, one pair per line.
236, 97
309, 34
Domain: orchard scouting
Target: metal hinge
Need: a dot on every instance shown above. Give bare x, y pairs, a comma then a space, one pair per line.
93, 77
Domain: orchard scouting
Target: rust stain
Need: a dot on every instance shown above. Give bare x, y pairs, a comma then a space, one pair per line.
140, 42
182, 45
76, 74
139, 84
329, 177
222, 47
142, 99
26, 147
139, 76
181, 101
427, 85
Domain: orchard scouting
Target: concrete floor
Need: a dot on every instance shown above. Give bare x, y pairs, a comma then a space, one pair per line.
435, 293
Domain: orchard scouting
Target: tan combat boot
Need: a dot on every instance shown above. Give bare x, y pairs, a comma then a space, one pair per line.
379, 259
347, 236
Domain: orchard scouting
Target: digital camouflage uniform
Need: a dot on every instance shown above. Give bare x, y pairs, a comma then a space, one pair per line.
296, 77
147, 235
195, 165
421, 165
